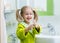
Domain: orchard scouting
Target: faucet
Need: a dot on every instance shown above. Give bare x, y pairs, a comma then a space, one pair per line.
13, 38
51, 29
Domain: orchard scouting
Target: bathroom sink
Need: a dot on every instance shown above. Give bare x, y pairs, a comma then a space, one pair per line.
44, 40
47, 39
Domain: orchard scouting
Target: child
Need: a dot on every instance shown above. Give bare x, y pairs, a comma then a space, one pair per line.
26, 30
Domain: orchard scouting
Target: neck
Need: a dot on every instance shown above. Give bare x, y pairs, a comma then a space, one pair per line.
26, 22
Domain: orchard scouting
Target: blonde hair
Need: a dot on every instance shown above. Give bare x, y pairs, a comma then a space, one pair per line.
19, 13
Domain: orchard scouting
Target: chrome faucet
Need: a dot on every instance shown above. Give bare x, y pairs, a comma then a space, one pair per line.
13, 38
51, 29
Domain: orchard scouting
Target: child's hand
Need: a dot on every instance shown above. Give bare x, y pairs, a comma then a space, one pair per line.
37, 26
30, 27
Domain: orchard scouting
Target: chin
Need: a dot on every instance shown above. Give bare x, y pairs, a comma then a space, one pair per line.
28, 21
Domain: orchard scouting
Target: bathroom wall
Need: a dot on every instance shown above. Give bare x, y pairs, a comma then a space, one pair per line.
3, 36
54, 20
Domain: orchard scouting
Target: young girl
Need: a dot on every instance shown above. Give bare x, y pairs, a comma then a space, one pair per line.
27, 27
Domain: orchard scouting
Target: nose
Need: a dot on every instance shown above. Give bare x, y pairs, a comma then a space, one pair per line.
29, 15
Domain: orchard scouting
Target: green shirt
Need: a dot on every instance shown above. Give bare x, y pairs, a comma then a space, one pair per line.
24, 37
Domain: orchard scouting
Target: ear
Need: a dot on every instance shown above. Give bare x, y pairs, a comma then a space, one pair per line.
35, 15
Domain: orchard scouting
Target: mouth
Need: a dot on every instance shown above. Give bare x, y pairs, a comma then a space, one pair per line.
28, 18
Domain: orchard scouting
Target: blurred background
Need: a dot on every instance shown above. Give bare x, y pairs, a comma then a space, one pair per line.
49, 19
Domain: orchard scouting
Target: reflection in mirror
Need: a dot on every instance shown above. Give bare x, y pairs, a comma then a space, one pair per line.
10, 7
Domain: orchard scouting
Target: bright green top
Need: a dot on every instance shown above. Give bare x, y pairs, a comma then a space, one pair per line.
28, 37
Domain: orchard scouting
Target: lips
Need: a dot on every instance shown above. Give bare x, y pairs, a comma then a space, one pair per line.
28, 18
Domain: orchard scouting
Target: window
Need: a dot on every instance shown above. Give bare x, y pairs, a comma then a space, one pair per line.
43, 7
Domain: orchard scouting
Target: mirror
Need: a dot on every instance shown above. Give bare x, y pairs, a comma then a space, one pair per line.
43, 8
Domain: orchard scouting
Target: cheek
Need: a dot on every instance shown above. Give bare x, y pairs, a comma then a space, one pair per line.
24, 16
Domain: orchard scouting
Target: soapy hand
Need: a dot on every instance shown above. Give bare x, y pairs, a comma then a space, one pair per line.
36, 25
32, 25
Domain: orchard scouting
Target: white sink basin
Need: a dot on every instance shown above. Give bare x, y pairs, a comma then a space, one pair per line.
47, 39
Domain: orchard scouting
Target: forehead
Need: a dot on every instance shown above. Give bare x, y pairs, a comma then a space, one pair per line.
28, 10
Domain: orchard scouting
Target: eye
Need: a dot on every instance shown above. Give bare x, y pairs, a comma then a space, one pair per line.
26, 13
31, 14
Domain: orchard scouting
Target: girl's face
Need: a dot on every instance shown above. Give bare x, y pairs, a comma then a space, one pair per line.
28, 15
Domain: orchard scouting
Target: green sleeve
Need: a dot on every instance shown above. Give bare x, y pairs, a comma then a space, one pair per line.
37, 31
20, 32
